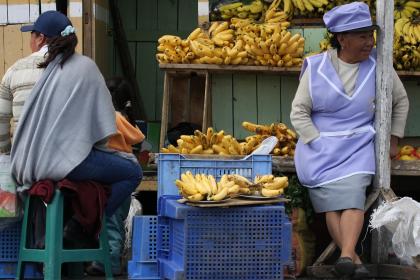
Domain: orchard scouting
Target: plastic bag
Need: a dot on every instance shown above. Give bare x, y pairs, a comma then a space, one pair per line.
402, 219
266, 146
8, 198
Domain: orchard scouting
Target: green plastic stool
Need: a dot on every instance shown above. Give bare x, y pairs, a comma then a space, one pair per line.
54, 255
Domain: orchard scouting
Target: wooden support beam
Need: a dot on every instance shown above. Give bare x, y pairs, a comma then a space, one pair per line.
207, 100
87, 28
165, 108
384, 83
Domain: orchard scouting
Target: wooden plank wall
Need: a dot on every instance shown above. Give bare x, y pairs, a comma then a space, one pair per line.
15, 13
144, 22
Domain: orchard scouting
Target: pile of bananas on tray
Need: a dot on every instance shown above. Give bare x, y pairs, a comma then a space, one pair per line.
201, 187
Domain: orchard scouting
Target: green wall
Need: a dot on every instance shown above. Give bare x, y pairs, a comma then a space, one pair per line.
236, 97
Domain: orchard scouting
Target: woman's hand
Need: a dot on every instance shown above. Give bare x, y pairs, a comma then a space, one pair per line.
393, 150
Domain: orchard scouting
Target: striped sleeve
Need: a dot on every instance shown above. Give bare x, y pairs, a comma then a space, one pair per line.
6, 99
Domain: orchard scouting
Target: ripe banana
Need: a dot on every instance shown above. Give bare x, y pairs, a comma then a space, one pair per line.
271, 193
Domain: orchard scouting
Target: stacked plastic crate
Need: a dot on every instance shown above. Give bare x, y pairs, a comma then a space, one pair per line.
215, 243
9, 253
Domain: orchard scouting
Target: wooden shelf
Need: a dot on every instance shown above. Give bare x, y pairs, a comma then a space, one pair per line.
305, 22
403, 74
398, 167
405, 167
213, 68
287, 165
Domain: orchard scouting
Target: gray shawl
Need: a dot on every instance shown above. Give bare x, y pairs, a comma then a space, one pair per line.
67, 112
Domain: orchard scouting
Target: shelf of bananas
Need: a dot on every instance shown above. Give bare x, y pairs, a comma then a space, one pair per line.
286, 137
201, 187
253, 10
238, 42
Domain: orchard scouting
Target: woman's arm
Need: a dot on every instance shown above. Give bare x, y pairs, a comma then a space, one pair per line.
6, 101
400, 106
300, 114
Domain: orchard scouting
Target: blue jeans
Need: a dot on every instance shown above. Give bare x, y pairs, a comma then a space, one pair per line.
110, 169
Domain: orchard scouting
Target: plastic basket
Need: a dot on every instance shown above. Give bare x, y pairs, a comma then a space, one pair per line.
222, 243
171, 166
144, 248
9, 254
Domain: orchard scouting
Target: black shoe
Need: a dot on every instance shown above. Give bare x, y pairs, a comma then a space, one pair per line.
344, 266
360, 271
75, 237
94, 270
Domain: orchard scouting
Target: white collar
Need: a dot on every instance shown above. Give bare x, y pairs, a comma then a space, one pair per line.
43, 50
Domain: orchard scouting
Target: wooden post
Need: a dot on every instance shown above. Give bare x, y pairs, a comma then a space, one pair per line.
384, 83
165, 108
126, 62
87, 28
206, 107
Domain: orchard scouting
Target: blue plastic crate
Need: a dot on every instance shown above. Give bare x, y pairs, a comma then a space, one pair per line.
144, 248
171, 166
222, 243
9, 254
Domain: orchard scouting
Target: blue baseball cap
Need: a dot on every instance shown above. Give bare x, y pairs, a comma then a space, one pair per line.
49, 23
354, 17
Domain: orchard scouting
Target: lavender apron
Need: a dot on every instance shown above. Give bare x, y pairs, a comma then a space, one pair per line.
345, 146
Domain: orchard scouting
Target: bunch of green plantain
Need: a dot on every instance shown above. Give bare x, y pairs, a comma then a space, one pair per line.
238, 9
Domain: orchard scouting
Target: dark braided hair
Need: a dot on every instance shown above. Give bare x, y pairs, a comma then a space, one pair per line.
60, 45
121, 92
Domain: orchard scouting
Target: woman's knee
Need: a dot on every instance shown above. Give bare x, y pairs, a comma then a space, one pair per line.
136, 173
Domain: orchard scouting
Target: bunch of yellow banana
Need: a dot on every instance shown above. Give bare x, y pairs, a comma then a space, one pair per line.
334, 3
272, 15
239, 10
306, 8
408, 29
270, 186
324, 45
286, 137
406, 56
209, 143
172, 49
406, 9
244, 184
204, 187
267, 44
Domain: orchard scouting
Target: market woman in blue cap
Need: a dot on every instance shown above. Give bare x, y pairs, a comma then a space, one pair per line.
64, 119
333, 112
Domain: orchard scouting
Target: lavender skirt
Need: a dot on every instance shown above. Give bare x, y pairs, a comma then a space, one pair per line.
343, 194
